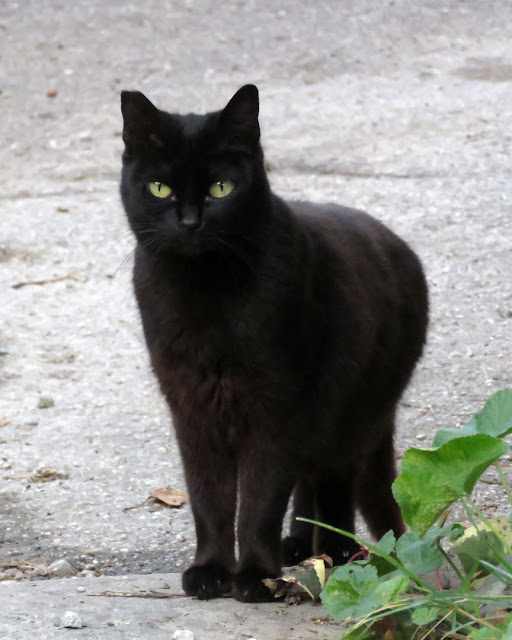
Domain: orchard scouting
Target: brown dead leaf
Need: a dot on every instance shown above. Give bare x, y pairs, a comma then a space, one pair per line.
385, 628
47, 475
170, 497
34, 569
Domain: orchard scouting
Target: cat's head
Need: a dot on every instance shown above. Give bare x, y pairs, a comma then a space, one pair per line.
193, 183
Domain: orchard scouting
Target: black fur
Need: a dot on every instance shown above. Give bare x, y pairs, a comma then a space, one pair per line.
282, 335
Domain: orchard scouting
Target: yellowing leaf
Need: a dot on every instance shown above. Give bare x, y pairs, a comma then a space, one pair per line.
309, 576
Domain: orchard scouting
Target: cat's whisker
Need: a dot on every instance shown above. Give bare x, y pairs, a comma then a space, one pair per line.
239, 254
226, 257
124, 261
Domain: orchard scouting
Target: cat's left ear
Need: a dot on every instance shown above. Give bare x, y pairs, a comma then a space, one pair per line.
239, 118
141, 120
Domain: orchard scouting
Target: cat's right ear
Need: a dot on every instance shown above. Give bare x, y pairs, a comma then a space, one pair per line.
239, 118
141, 121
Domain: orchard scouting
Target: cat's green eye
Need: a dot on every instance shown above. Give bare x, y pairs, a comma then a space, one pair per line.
221, 189
159, 189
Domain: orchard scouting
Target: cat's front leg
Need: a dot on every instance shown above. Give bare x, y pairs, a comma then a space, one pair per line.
265, 486
212, 484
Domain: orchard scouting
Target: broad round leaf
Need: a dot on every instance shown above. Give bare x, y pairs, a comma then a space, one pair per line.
495, 419
432, 479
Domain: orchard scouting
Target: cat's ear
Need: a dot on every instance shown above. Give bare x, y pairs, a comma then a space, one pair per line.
141, 121
239, 118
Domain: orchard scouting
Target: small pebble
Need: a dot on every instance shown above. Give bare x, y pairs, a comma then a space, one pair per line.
62, 569
51, 93
183, 634
45, 402
421, 436
68, 620
13, 574
32, 422
80, 589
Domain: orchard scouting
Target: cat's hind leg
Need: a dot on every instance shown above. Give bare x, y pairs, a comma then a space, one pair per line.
374, 496
299, 544
335, 505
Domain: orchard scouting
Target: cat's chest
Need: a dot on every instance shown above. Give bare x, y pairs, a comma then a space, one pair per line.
209, 373
200, 340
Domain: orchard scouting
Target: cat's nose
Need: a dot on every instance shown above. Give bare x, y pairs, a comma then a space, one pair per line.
189, 224
189, 218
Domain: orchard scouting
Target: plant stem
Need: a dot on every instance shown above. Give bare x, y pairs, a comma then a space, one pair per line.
450, 562
436, 625
438, 582
504, 482
499, 571
469, 513
475, 619
389, 609
374, 549
486, 521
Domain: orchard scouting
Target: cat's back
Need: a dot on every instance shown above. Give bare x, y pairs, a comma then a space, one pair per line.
358, 242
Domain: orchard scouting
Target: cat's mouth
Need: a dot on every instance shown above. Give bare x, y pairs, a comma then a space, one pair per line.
189, 241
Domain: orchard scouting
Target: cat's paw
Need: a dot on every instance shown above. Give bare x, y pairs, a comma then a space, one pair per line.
248, 586
342, 553
295, 550
206, 581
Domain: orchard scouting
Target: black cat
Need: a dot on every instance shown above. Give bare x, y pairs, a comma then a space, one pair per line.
282, 335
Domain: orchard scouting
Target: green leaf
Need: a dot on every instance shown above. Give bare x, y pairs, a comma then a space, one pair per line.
456, 532
495, 420
424, 615
388, 591
507, 633
487, 634
475, 546
432, 479
483, 543
361, 633
387, 543
349, 592
355, 590
421, 554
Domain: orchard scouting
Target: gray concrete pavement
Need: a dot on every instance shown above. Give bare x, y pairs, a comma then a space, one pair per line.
157, 609
401, 108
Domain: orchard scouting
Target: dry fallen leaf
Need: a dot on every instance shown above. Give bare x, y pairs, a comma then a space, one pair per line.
308, 577
170, 497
